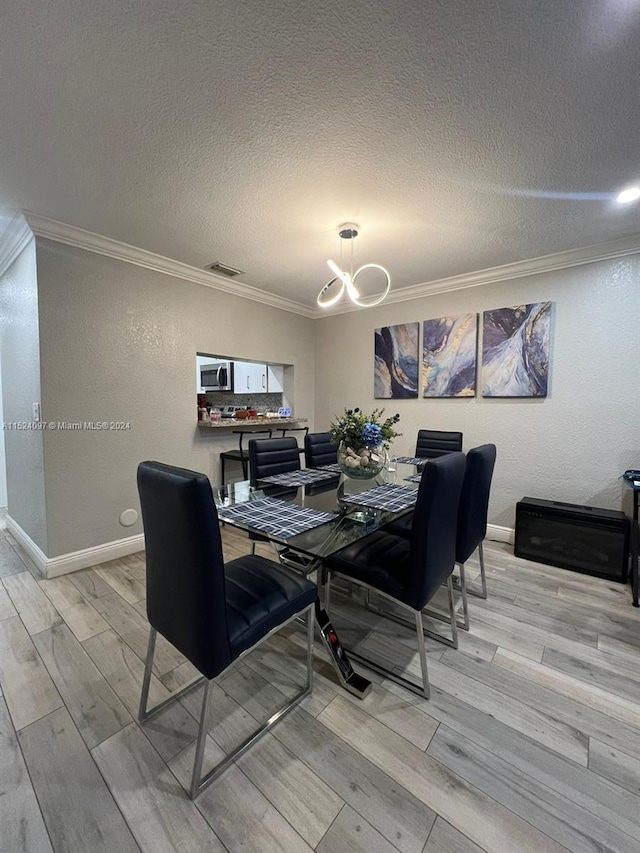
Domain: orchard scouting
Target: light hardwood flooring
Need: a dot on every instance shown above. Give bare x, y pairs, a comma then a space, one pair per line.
530, 742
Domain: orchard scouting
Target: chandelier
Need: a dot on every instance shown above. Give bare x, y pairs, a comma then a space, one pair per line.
342, 281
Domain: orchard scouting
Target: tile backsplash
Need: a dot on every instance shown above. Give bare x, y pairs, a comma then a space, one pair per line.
260, 402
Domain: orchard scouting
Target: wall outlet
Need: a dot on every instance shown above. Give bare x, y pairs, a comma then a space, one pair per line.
36, 412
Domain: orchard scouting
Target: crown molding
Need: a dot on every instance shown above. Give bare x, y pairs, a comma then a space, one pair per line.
17, 236
26, 224
51, 229
535, 266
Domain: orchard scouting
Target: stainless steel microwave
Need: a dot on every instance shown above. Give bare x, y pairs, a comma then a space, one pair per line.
217, 376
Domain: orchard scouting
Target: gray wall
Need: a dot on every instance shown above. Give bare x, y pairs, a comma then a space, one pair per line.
118, 343
571, 446
20, 361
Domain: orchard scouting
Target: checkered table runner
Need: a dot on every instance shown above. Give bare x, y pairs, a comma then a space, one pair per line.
414, 478
388, 497
333, 467
299, 478
411, 460
275, 517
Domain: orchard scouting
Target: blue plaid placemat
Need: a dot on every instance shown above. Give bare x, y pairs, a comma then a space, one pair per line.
334, 468
411, 460
298, 478
278, 518
389, 497
414, 478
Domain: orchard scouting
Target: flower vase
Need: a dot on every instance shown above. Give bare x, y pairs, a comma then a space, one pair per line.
361, 463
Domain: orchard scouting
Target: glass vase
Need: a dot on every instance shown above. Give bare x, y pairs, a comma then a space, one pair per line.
361, 463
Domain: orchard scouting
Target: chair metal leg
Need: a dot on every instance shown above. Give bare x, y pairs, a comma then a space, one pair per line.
202, 739
435, 635
465, 603
482, 571
253, 547
327, 591
482, 592
452, 614
423, 655
419, 689
146, 681
199, 782
311, 626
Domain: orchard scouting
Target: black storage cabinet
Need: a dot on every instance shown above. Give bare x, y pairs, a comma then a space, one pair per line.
582, 538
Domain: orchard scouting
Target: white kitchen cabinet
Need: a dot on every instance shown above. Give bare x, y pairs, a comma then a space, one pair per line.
249, 378
275, 378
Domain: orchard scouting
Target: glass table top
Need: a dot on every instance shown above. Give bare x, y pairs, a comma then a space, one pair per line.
352, 521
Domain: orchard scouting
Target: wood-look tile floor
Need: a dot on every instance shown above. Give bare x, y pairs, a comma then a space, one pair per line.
530, 742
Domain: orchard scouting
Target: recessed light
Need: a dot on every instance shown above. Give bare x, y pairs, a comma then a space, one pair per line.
628, 195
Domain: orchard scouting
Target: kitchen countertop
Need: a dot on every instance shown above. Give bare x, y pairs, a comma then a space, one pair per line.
234, 423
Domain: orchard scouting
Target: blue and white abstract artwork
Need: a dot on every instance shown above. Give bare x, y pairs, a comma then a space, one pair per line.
396, 361
449, 347
515, 351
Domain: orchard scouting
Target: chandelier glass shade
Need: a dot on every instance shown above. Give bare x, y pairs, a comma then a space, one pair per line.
343, 281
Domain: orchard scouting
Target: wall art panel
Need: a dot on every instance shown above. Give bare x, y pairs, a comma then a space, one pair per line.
396, 361
449, 347
515, 350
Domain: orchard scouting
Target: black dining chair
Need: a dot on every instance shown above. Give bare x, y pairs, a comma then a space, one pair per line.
284, 430
318, 450
472, 516
214, 614
269, 456
472, 521
432, 443
410, 571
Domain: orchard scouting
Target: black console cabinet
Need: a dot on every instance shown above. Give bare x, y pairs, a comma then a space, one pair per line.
582, 538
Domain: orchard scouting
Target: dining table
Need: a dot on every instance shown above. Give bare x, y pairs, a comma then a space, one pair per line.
310, 514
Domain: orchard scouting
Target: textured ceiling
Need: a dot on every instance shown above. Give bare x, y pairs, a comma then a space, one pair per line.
460, 135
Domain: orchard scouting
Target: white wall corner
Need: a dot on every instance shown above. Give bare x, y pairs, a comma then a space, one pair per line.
53, 567
17, 236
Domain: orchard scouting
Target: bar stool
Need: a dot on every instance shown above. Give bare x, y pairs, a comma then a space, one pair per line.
241, 454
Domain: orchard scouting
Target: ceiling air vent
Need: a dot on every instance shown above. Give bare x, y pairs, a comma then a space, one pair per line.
222, 269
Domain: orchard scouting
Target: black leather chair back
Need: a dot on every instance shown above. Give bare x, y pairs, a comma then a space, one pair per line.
433, 532
474, 501
186, 600
433, 443
318, 449
272, 456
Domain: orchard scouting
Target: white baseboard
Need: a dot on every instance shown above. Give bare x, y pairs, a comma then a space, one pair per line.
53, 567
500, 534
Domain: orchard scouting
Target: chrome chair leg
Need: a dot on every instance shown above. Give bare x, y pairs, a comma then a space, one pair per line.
202, 739
482, 592
327, 590
465, 603
146, 681
199, 782
482, 571
435, 635
311, 625
423, 655
452, 614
